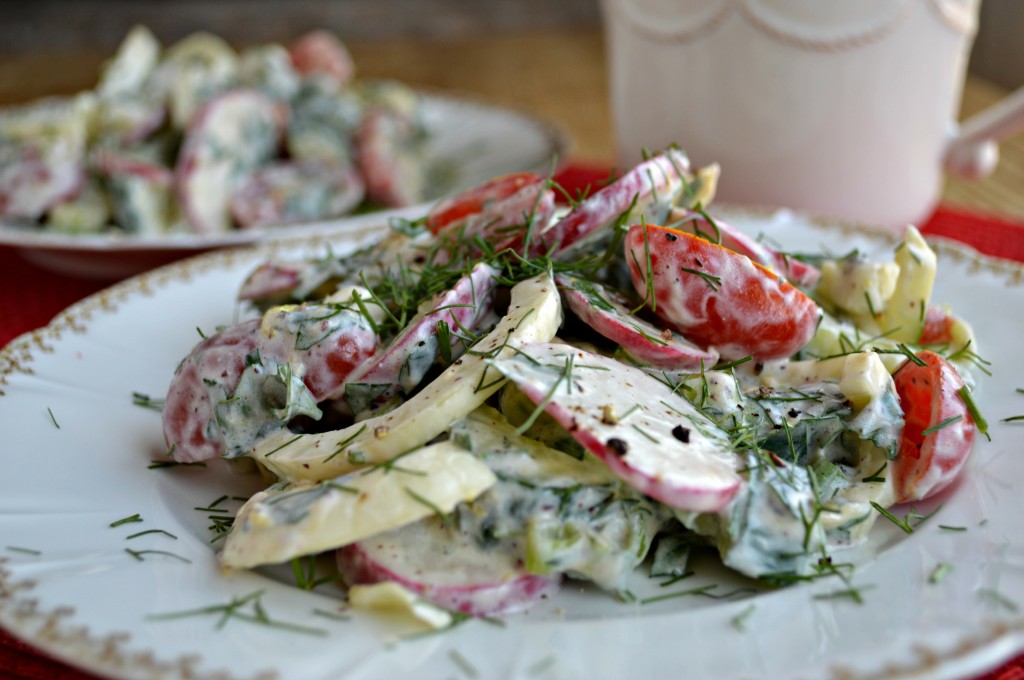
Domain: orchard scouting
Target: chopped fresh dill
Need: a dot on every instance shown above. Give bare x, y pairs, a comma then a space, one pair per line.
713, 281
901, 522
52, 419
997, 598
287, 443
234, 610
541, 665
852, 593
938, 426
972, 408
699, 590
127, 520
739, 622
138, 554
151, 531
160, 464
26, 551
940, 572
463, 663
146, 401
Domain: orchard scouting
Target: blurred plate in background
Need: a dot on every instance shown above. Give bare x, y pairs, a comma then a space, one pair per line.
470, 143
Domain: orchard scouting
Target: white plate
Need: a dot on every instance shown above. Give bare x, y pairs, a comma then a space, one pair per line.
83, 598
470, 143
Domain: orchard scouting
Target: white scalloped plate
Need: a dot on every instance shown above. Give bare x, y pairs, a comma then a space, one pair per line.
470, 142
76, 450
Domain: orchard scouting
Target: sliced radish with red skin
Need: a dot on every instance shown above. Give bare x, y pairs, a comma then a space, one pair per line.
649, 189
605, 311
328, 342
938, 326
716, 297
647, 434
938, 429
286, 192
189, 410
534, 314
118, 163
33, 180
388, 159
131, 119
322, 344
797, 272
321, 52
231, 134
404, 363
271, 280
504, 223
452, 572
478, 199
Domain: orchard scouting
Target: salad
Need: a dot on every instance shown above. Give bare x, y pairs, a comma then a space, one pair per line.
507, 394
202, 139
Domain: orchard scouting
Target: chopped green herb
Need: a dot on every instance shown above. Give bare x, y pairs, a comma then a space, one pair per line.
127, 520
463, 663
52, 419
151, 531
940, 572
739, 622
902, 523
939, 426
146, 401
26, 551
234, 610
138, 554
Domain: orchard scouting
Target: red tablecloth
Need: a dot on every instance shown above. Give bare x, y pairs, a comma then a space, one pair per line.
30, 297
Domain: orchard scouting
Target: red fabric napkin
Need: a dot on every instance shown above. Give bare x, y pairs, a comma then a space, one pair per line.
30, 297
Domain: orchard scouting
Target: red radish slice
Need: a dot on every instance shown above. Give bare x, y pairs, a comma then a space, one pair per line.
119, 163
938, 430
404, 363
505, 223
33, 180
388, 159
231, 134
271, 281
604, 310
718, 298
649, 189
446, 568
647, 434
189, 409
322, 344
320, 52
478, 199
797, 272
131, 119
289, 193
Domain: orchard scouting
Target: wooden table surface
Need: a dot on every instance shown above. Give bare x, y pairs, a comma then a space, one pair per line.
559, 76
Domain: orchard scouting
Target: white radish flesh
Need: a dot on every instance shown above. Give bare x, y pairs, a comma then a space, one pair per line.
647, 434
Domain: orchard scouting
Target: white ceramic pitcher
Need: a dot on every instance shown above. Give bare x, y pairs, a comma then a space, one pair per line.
836, 107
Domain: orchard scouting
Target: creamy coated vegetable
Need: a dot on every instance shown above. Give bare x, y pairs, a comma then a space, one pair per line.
698, 391
267, 136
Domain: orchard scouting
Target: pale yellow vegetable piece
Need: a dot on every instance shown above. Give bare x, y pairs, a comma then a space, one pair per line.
534, 315
858, 286
136, 58
864, 378
903, 317
392, 598
277, 525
